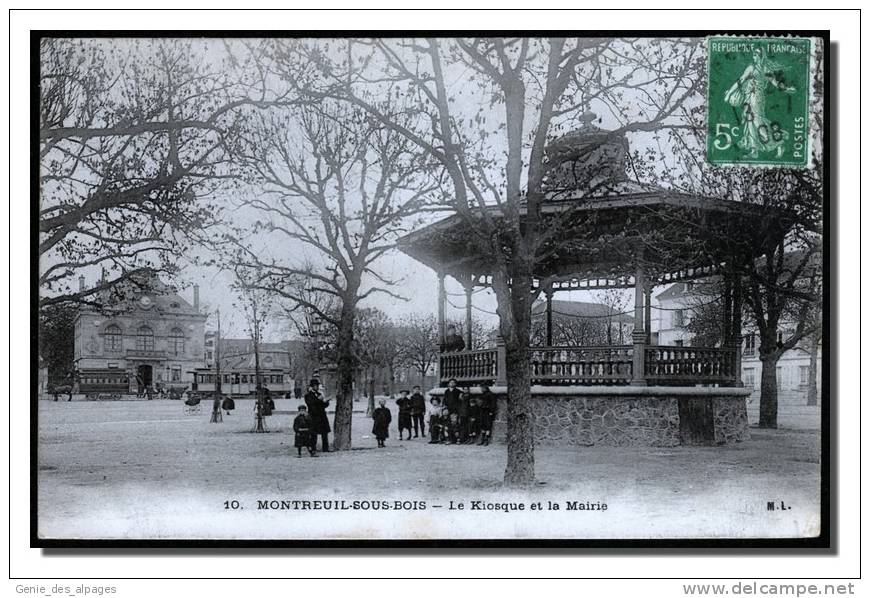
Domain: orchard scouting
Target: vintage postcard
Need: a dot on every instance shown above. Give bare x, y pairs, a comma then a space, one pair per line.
436, 290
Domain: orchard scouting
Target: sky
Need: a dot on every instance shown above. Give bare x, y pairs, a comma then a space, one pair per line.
416, 282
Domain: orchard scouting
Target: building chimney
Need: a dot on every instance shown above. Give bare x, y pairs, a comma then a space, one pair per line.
81, 283
196, 297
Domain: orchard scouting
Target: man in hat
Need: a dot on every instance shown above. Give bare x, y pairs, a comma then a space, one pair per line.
317, 404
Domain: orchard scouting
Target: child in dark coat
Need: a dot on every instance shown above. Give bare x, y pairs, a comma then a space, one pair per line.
302, 429
382, 418
435, 424
404, 404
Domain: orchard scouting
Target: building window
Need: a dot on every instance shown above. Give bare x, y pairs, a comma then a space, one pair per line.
805, 375
678, 317
749, 377
112, 339
176, 341
749, 344
144, 339
176, 374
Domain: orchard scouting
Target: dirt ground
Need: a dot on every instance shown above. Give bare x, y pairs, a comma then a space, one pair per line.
140, 469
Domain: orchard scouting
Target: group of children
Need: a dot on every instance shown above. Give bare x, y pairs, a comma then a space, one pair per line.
412, 413
461, 418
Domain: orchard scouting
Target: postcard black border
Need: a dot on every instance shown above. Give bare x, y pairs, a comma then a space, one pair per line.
820, 544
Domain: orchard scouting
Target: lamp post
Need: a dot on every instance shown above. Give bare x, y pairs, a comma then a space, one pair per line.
216, 415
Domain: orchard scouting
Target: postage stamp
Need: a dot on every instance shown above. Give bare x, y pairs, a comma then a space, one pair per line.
758, 97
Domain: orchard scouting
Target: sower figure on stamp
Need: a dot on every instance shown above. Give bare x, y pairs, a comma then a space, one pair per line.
404, 404
317, 405
302, 430
418, 412
382, 418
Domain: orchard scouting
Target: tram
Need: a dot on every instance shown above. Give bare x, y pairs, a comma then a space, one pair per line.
243, 382
104, 383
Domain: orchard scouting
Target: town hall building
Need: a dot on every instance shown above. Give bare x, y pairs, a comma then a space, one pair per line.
150, 337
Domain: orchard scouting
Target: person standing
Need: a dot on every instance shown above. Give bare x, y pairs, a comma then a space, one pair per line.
462, 416
435, 427
404, 404
452, 341
302, 430
488, 407
382, 418
418, 411
452, 396
317, 404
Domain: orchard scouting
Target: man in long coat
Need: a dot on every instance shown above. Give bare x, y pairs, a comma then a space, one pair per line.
317, 403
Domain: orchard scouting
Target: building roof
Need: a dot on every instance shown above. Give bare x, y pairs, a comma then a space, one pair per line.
125, 296
676, 290
604, 226
238, 353
581, 309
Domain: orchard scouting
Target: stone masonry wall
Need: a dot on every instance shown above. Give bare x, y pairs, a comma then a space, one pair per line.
730, 421
621, 420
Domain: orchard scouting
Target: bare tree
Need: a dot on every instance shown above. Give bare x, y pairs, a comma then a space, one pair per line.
419, 343
134, 139
372, 340
784, 287
491, 145
257, 306
341, 187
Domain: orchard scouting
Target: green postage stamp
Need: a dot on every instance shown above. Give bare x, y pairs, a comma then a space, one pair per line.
758, 98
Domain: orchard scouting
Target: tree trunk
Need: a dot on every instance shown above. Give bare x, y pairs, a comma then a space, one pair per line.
768, 407
515, 318
370, 393
812, 387
520, 469
345, 365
